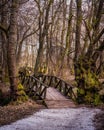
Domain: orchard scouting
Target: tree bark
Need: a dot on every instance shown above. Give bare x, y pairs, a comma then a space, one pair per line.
11, 49
42, 34
4, 21
85, 64
77, 35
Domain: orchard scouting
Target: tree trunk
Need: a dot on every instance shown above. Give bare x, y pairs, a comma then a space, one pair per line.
42, 34
86, 68
4, 41
18, 56
78, 35
11, 49
69, 34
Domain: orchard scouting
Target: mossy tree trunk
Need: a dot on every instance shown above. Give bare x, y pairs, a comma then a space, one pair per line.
86, 67
87, 80
78, 34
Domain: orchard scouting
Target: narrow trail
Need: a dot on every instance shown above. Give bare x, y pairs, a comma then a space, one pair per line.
57, 119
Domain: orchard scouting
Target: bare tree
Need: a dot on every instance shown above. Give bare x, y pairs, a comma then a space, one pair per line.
43, 30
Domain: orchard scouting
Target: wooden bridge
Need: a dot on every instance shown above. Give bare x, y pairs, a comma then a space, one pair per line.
55, 92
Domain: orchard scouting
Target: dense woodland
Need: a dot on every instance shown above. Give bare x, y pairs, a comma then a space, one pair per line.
54, 37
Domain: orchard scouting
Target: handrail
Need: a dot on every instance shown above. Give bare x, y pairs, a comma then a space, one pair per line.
68, 88
40, 89
57, 78
39, 81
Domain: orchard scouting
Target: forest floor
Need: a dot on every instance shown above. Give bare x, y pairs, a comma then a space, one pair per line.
12, 113
79, 118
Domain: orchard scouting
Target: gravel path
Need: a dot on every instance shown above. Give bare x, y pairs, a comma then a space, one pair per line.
57, 119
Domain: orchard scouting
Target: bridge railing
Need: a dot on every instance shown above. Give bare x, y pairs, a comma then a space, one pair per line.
65, 88
33, 86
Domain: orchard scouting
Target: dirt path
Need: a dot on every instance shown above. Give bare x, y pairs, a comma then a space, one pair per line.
57, 119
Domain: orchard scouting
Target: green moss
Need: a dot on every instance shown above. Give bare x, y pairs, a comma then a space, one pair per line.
22, 93
89, 97
81, 91
90, 80
97, 100
43, 69
22, 97
20, 87
78, 71
88, 83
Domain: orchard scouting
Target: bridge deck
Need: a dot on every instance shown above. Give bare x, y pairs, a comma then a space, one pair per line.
55, 99
53, 94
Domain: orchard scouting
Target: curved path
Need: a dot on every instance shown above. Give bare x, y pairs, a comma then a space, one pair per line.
57, 119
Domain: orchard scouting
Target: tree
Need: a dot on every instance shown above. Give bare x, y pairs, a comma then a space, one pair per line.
78, 34
11, 48
4, 23
86, 65
43, 30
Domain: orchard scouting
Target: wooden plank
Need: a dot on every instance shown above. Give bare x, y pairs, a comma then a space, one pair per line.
54, 99
53, 94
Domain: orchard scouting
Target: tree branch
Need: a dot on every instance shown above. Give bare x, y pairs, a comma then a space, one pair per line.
28, 35
31, 34
99, 13
98, 51
99, 36
87, 29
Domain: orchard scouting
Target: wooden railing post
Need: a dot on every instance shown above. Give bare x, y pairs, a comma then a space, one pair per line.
50, 81
56, 86
44, 79
65, 89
